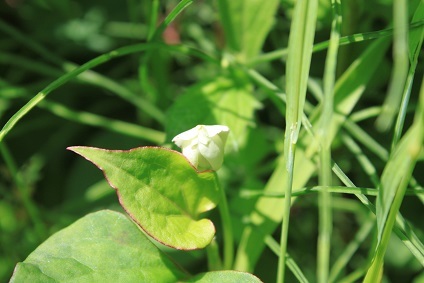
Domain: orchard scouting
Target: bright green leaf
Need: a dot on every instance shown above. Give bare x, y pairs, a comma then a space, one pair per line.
220, 101
226, 276
161, 191
246, 24
101, 247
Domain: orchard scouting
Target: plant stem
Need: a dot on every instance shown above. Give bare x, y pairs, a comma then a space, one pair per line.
227, 229
325, 219
325, 176
287, 205
212, 252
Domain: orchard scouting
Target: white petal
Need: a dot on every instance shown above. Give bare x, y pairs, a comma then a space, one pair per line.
203, 145
186, 136
216, 130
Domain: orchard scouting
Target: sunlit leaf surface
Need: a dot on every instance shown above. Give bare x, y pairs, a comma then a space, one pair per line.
161, 191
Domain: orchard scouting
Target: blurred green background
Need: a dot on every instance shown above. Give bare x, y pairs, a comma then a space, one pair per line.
39, 39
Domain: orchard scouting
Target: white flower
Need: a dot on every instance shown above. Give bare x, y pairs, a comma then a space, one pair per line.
204, 146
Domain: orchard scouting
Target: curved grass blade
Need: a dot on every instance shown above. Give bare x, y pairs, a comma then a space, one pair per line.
394, 181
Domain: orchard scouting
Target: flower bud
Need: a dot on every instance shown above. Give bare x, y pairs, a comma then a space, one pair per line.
203, 146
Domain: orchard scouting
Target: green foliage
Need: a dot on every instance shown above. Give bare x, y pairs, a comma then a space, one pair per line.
101, 247
167, 206
82, 253
246, 24
222, 100
224, 277
120, 75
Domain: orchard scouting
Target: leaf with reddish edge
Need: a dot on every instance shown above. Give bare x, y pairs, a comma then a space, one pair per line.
161, 191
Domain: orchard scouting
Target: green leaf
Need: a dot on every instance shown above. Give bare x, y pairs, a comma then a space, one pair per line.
246, 24
221, 101
227, 276
161, 191
101, 247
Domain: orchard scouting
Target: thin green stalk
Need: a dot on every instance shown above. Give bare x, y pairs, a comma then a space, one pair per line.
154, 12
400, 120
23, 189
365, 114
145, 83
301, 39
375, 271
316, 189
400, 65
325, 218
212, 253
366, 164
287, 206
394, 181
325, 174
67, 77
292, 265
416, 37
345, 40
154, 36
89, 65
227, 228
362, 136
349, 251
117, 126
29, 42
171, 17
402, 229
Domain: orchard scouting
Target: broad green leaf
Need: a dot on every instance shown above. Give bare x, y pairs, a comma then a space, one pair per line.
226, 276
104, 246
246, 24
161, 191
221, 101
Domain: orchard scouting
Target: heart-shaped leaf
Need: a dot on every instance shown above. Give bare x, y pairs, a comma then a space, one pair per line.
101, 247
161, 191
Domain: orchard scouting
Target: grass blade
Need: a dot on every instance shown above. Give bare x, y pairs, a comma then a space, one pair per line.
268, 211
300, 52
325, 174
400, 68
67, 77
394, 181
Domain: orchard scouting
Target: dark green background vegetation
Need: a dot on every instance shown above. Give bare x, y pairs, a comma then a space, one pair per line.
40, 38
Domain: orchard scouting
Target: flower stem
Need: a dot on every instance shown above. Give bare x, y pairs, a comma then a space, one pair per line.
212, 252
289, 153
227, 230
